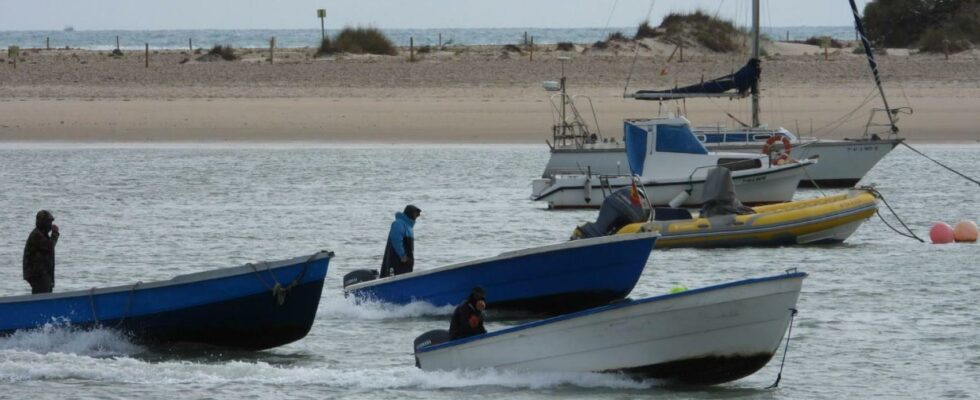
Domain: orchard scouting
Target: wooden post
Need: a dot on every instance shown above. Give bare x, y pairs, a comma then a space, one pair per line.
272, 50
532, 49
787, 36
946, 47
411, 48
322, 13
681, 45
147, 55
525, 38
190, 45
825, 51
117, 42
440, 40
47, 43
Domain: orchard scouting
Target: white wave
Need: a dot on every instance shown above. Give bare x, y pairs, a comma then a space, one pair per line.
61, 337
348, 308
18, 366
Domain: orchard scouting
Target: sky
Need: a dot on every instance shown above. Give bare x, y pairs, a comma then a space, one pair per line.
393, 14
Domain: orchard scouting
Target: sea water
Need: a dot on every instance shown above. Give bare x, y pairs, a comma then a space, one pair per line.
881, 316
286, 38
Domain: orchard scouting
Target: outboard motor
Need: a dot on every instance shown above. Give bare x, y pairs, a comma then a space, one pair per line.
719, 195
361, 275
430, 338
616, 212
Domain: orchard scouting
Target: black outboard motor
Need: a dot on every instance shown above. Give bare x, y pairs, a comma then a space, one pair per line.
616, 212
361, 275
430, 338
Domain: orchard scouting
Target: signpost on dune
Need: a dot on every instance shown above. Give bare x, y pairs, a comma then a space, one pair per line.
321, 13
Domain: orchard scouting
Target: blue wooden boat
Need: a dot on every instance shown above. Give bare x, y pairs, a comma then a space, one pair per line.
252, 307
551, 279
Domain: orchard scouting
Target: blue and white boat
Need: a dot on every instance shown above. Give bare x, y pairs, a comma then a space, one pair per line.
551, 279
252, 307
709, 335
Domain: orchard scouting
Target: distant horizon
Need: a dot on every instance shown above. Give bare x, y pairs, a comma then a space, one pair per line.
379, 27
152, 15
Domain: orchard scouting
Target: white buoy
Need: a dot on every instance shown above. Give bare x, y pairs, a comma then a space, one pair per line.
588, 190
679, 200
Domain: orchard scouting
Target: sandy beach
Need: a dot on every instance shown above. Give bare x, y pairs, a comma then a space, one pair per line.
465, 94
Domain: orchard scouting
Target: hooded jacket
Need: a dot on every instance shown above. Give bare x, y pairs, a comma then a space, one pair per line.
401, 243
39, 249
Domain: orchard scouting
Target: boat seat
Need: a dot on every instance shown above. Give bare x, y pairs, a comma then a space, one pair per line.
670, 214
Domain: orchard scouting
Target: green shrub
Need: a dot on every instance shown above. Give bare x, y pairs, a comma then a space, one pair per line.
715, 34
363, 41
617, 37
513, 48
939, 40
226, 52
326, 48
565, 46
424, 49
645, 31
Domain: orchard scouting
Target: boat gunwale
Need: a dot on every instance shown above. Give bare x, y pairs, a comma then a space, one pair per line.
503, 256
249, 268
610, 307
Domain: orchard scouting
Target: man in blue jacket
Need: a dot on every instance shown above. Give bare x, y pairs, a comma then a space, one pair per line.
400, 250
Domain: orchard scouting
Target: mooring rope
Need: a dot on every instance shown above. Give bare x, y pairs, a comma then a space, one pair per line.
941, 164
789, 335
876, 193
129, 303
278, 290
91, 302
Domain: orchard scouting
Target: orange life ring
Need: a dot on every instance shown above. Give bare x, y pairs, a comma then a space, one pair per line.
787, 147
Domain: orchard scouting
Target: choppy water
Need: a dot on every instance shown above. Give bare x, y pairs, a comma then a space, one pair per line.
259, 38
881, 316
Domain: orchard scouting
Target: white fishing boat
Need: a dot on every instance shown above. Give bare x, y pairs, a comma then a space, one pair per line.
709, 335
672, 166
843, 161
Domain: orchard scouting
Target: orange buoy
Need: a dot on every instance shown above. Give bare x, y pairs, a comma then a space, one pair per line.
941, 233
965, 231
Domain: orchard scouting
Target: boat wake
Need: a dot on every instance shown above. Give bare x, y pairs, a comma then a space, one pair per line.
61, 337
348, 308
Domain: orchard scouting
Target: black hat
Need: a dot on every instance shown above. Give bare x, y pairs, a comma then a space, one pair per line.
412, 211
477, 294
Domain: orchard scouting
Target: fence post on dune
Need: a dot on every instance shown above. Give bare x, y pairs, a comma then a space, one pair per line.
47, 43
190, 45
411, 48
440, 40
272, 50
117, 42
147, 62
680, 47
531, 57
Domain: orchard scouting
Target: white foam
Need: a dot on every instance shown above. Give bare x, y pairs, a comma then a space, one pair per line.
61, 337
348, 308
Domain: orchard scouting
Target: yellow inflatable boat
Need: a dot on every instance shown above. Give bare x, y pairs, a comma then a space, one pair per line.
830, 219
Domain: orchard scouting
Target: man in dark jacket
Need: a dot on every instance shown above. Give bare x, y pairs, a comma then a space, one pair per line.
399, 255
39, 253
468, 316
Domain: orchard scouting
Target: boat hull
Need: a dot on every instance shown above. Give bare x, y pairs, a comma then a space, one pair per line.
703, 336
230, 308
773, 185
843, 163
816, 221
546, 280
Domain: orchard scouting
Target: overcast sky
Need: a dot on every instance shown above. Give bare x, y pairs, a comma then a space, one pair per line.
277, 14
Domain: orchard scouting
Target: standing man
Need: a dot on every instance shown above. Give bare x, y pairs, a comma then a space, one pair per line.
399, 255
39, 253
468, 317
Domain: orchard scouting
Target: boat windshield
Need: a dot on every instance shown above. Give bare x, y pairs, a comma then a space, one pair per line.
678, 139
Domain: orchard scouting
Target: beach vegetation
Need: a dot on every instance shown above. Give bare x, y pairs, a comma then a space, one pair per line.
616, 37
645, 31
929, 25
363, 41
512, 48
824, 41
424, 49
600, 45
326, 48
713, 33
225, 52
565, 46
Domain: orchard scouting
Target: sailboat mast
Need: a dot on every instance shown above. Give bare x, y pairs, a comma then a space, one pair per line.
755, 56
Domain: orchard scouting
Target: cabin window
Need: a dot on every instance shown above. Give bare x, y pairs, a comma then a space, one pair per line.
762, 137
678, 139
738, 164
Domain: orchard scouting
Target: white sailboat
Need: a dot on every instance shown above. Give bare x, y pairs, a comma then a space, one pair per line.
843, 161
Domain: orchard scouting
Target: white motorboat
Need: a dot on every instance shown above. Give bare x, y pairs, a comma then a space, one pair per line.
709, 335
672, 165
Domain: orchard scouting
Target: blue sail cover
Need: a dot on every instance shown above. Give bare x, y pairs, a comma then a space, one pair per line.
742, 81
636, 146
678, 139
